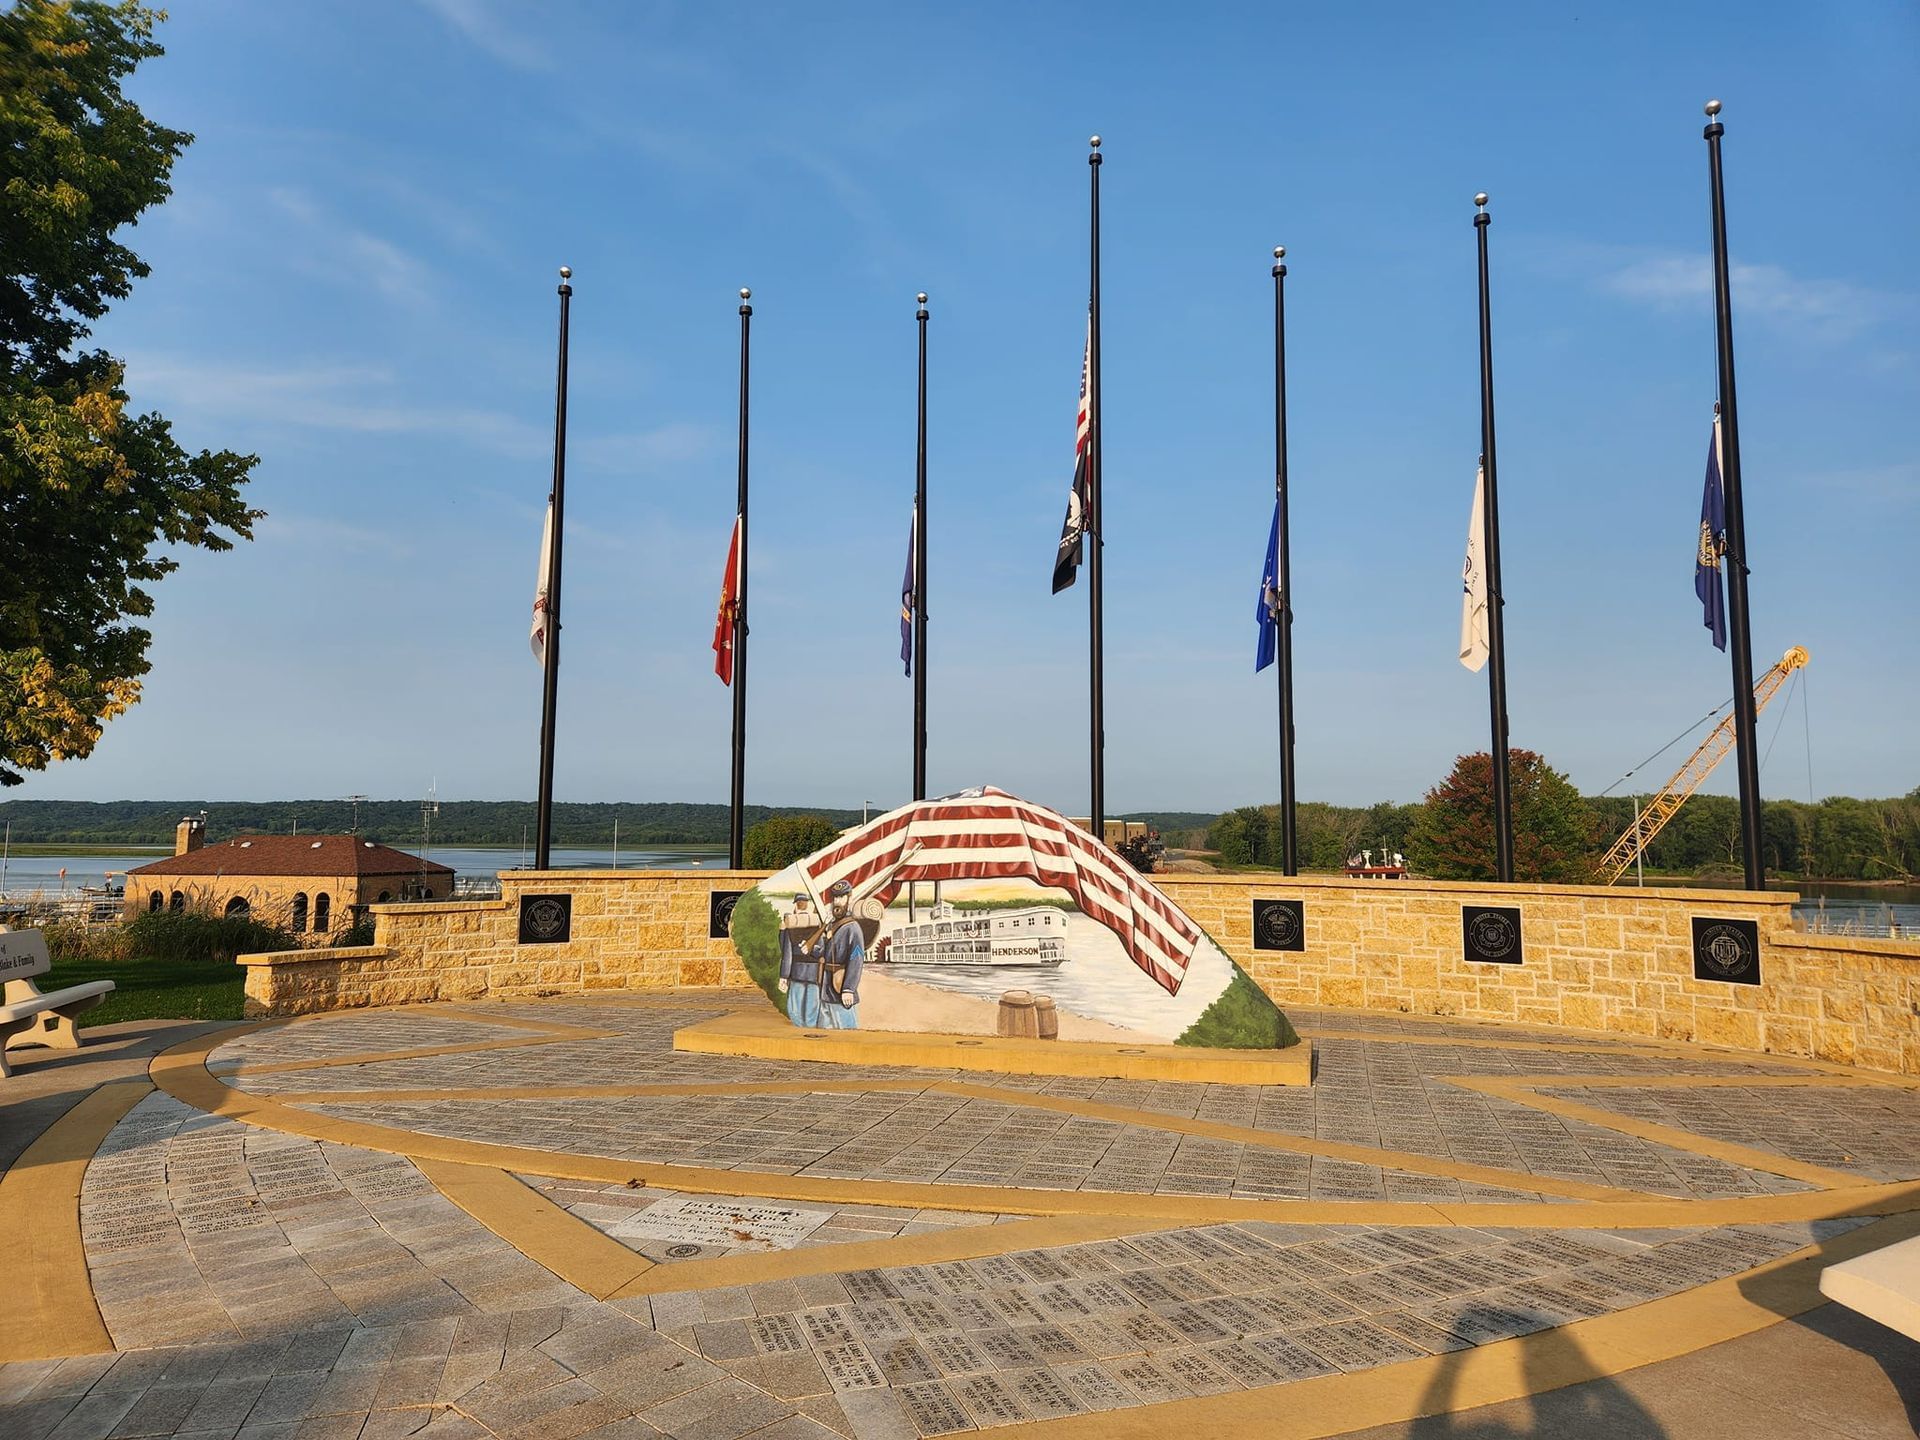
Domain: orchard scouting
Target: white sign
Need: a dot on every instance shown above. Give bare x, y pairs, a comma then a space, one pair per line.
731, 1223
23, 953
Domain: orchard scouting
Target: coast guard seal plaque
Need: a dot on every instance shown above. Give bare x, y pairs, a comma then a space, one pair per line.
720, 905
1279, 925
546, 919
1726, 950
1490, 934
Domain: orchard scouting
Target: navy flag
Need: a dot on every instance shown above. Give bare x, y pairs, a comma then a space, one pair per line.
1712, 545
1067, 561
1267, 609
908, 599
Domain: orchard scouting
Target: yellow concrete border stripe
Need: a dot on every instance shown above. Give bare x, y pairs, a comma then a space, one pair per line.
47, 1309
1407, 1160
539, 1229
600, 1092
1526, 1092
968, 1242
181, 1072
1487, 1374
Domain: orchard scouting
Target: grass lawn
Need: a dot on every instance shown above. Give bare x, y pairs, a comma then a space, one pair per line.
154, 989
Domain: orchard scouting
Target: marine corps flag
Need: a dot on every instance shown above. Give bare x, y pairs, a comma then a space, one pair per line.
1067, 561
539, 635
729, 603
1713, 544
1474, 639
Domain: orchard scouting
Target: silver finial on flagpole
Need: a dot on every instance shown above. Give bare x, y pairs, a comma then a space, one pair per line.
745, 294
1481, 200
566, 272
1094, 142
1713, 108
921, 297
1279, 252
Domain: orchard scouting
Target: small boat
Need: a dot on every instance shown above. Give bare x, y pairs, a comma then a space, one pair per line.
1032, 936
1390, 866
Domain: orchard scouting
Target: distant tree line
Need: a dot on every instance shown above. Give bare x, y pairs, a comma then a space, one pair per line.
392, 822
1560, 834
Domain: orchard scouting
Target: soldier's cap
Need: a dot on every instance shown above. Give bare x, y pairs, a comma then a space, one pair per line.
841, 889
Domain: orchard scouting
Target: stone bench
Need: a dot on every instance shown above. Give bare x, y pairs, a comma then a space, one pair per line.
29, 1016
1882, 1285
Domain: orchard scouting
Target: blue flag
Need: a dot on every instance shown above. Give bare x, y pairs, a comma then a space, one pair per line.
1713, 544
908, 598
1267, 609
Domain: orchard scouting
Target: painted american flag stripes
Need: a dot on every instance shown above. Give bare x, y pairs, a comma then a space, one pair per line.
987, 834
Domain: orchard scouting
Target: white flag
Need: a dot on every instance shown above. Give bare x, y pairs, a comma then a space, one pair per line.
539, 635
1473, 602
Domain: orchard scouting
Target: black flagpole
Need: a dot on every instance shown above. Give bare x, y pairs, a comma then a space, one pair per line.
736, 837
920, 572
1283, 577
1496, 629
550, 679
1095, 526
1746, 760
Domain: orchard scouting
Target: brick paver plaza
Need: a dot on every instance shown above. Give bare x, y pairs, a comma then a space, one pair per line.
537, 1219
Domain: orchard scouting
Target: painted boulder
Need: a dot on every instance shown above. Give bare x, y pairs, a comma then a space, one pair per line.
982, 914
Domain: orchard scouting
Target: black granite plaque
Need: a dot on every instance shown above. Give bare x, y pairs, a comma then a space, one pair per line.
546, 919
1726, 950
720, 905
1490, 934
1279, 925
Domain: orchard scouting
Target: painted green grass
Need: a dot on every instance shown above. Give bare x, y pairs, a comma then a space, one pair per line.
1242, 1018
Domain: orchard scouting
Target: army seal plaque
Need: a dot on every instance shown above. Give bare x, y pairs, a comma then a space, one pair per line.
720, 905
1726, 950
546, 919
1490, 934
1279, 925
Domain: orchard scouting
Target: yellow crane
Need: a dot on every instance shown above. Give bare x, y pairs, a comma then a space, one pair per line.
1664, 806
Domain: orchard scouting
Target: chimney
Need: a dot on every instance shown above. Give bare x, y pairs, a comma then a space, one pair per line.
189, 834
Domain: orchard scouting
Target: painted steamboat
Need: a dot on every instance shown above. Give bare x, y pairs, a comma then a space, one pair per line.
980, 938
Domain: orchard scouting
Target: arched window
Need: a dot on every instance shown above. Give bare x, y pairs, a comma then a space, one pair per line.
323, 912
178, 903
298, 917
385, 896
155, 901
237, 906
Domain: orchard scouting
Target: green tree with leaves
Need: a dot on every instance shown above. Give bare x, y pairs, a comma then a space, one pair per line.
775, 844
1553, 831
91, 495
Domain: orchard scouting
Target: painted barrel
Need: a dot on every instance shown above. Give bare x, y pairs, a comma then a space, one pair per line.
1046, 1018
1017, 1015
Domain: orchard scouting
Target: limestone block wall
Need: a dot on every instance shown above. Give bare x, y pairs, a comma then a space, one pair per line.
631, 930
1616, 960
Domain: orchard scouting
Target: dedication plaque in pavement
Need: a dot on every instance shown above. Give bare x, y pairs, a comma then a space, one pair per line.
1279, 925
720, 905
546, 919
732, 1223
1490, 934
1726, 950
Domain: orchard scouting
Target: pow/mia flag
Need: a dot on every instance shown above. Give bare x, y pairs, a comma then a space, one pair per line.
1713, 544
1067, 561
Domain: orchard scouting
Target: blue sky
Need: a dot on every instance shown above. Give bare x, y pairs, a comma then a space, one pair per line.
355, 278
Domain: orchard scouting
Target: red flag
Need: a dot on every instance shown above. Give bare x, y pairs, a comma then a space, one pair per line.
729, 606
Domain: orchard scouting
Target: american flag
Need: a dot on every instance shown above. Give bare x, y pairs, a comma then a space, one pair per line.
987, 834
1067, 560
728, 613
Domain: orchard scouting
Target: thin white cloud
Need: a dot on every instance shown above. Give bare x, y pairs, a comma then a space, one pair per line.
342, 252
481, 25
1829, 310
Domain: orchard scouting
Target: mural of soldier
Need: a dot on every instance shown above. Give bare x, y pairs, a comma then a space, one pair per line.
841, 954
799, 973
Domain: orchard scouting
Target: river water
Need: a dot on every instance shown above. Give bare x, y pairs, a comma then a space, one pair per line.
27, 875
